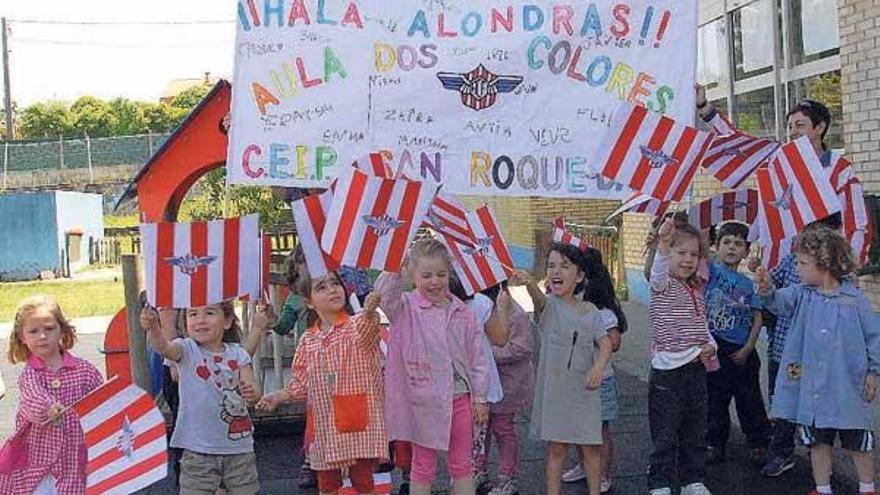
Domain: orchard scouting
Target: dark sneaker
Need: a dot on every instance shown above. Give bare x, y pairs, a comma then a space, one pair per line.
404, 488
715, 455
776, 466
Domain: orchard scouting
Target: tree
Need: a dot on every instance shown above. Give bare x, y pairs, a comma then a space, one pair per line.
45, 120
205, 201
128, 116
190, 97
93, 117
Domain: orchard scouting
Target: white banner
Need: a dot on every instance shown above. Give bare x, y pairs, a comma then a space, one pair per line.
487, 97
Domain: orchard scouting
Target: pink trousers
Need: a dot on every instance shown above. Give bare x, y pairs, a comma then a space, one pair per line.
502, 428
459, 459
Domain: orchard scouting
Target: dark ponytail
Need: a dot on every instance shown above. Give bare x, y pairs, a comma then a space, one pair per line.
600, 287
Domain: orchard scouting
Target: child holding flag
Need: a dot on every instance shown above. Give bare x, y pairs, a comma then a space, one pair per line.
213, 426
337, 369
46, 454
831, 359
574, 351
436, 371
682, 351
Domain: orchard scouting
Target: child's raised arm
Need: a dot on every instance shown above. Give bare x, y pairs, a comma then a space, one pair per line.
389, 289
149, 320
522, 277
261, 325
497, 328
781, 302
659, 276
369, 326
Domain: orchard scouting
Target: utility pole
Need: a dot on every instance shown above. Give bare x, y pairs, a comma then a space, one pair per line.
7, 97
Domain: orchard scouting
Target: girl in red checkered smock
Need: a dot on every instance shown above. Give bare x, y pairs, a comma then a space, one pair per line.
46, 454
337, 369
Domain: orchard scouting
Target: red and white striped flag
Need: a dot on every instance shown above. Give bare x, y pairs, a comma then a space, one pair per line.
642, 203
840, 172
733, 158
856, 224
194, 264
720, 124
562, 235
382, 482
449, 217
774, 252
741, 205
372, 221
375, 164
125, 437
310, 217
488, 261
794, 191
651, 153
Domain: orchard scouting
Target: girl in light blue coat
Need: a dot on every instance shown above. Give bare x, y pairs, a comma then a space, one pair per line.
828, 373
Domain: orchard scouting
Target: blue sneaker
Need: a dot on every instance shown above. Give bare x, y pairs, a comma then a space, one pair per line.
776, 466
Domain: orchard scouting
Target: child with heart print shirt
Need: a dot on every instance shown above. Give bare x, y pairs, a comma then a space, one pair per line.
216, 384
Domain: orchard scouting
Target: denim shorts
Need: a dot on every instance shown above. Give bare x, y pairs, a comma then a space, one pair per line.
608, 393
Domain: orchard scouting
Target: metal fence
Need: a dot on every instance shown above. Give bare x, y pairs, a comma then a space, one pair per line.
78, 153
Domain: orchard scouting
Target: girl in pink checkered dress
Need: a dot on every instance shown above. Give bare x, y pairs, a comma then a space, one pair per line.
337, 369
46, 454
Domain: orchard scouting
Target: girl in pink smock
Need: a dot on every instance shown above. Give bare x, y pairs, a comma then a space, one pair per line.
46, 454
436, 373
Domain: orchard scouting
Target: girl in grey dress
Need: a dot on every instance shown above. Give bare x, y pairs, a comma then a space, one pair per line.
574, 351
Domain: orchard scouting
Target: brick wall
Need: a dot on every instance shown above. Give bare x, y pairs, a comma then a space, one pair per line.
859, 26
521, 217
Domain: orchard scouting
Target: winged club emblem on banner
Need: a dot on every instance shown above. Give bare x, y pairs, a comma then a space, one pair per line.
190, 264
482, 246
657, 158
382, 225
479, 87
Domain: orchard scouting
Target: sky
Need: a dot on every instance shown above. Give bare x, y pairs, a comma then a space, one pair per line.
107, 48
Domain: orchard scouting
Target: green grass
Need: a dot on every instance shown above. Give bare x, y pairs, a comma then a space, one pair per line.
77, 299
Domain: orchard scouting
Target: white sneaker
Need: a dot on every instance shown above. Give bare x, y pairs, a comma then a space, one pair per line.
661, 491
574, 474
605, 485
695, 489
507, 485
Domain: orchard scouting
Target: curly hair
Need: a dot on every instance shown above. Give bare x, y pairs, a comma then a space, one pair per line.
18, 351
828, 249
600, 287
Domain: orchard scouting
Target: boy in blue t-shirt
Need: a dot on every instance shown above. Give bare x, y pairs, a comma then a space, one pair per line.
734, 317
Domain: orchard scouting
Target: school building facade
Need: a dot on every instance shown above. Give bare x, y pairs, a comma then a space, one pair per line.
757, 58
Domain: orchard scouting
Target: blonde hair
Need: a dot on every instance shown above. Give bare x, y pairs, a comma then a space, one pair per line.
427, 247
828, 249
18, 351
